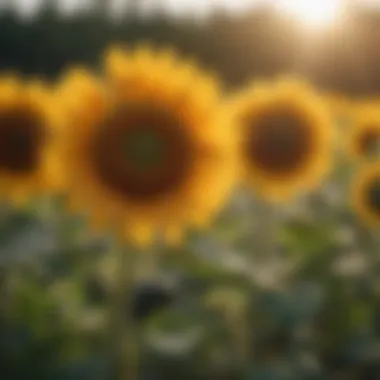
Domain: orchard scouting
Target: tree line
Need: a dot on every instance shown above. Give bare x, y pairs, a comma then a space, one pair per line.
256, 44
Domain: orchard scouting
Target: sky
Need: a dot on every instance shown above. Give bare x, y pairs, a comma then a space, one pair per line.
176, 8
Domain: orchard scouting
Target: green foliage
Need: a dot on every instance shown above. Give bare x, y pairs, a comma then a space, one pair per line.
316, 323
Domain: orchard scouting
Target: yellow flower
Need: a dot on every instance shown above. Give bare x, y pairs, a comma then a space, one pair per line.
28, 163
366, 194
364, 139
148, 149
287, 138
368, 103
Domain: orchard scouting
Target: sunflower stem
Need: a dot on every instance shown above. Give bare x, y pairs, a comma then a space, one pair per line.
265, 244
262, 224
124, 339
4, 294
8, 270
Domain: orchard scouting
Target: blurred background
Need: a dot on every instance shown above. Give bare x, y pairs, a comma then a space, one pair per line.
267, 294
334, 43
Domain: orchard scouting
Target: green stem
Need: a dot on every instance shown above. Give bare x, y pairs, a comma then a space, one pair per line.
265, 224
124, 338
266, 231
262, 224
4, 293
7, 271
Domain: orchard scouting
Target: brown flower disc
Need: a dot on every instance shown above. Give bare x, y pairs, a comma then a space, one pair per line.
372, 196
22, 134
142, 152
368, 141
278, 141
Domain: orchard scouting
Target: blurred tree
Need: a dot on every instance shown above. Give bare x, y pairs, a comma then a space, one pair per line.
254, 44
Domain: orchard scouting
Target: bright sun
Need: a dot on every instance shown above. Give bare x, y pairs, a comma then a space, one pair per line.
315, 13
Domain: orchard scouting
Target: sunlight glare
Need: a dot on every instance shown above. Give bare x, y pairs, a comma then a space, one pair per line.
315, 14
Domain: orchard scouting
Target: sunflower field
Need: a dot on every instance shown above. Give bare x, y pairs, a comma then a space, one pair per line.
181, 199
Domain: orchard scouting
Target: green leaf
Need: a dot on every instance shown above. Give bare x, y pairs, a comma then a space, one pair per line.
305, 239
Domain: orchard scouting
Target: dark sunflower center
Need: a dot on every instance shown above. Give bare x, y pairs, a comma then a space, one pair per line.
278, 142
142, 153
21, 136
145, 149
373, 196
369, 143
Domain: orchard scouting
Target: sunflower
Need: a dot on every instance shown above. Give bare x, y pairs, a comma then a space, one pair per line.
364, 140
148, 149
368, 103
287, 138
28, 164
366, 194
